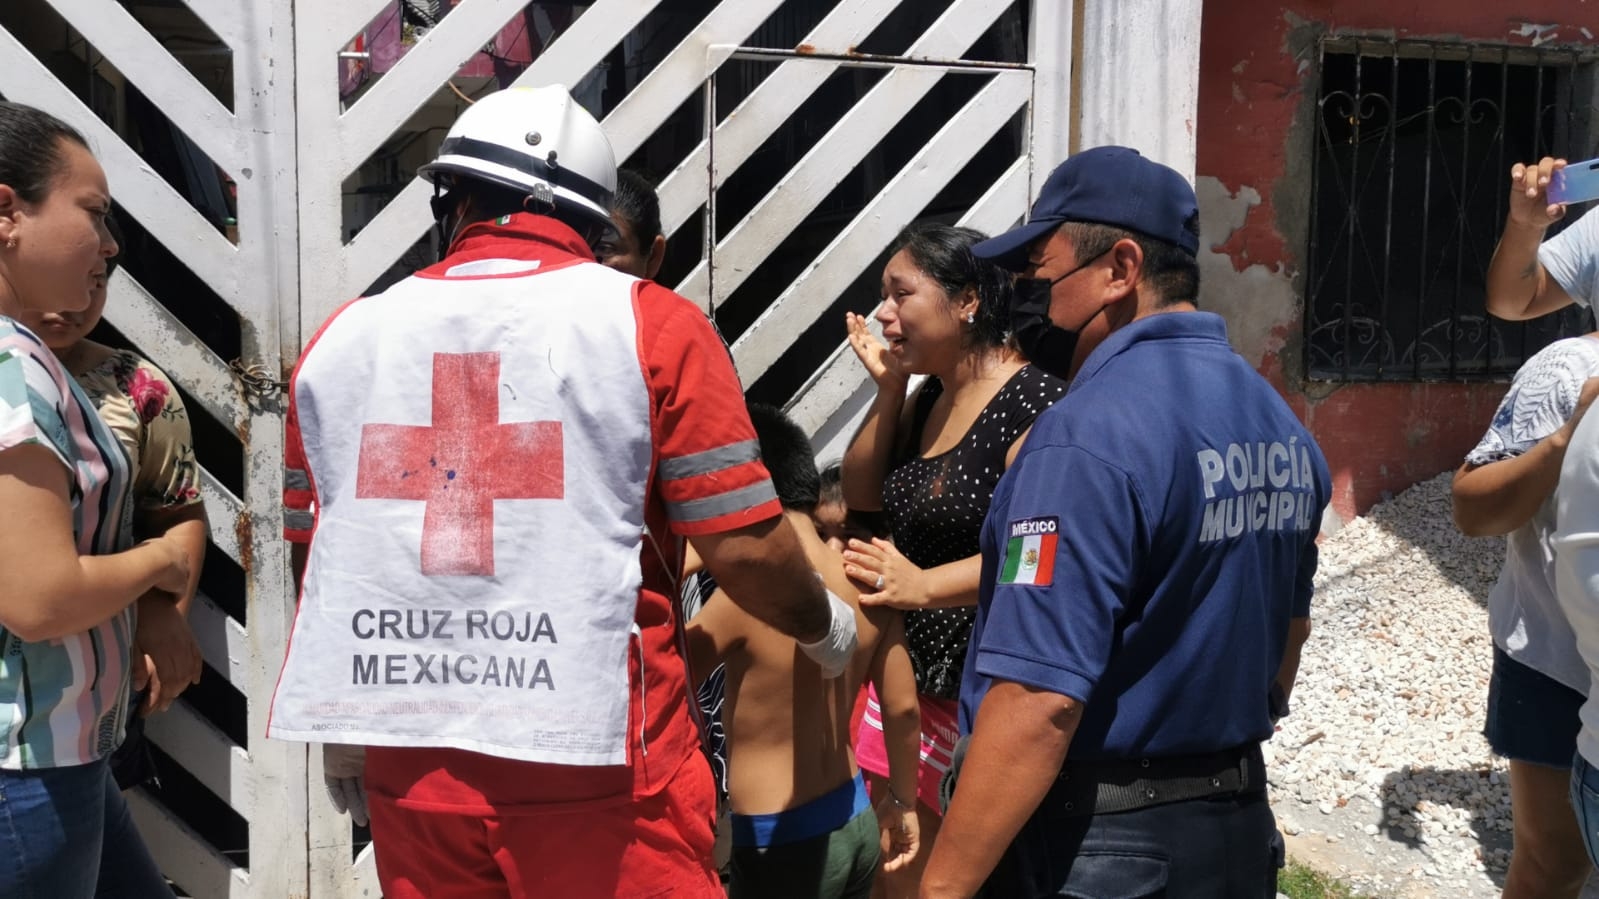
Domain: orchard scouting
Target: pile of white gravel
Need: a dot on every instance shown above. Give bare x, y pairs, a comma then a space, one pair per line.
1388, 707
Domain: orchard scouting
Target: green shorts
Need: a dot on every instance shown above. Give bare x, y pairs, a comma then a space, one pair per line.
839, 864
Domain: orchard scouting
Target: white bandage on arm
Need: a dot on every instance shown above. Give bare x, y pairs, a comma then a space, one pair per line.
834, 651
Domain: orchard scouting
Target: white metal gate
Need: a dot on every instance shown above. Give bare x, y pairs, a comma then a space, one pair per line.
297, 140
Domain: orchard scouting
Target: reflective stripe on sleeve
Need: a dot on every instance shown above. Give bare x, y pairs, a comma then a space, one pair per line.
296, 479
298, 520
723, 457
732, 501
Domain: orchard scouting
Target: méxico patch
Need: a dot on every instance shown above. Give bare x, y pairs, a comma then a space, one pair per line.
1030, 552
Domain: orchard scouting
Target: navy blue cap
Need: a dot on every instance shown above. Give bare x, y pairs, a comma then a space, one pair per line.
1104, 186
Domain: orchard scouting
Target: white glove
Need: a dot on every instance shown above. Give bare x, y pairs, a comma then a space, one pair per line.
834, 651
343, 770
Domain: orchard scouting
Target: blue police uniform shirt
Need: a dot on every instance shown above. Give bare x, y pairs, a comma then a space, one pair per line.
1147, 548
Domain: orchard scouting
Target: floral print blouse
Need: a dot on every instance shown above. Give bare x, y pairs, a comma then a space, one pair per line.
143, 409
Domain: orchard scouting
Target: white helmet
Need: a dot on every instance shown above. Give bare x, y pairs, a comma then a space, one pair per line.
537, 140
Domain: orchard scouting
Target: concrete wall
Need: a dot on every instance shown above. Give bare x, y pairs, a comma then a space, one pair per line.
1255, 127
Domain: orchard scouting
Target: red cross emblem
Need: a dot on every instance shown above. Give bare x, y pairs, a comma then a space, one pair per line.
461, 464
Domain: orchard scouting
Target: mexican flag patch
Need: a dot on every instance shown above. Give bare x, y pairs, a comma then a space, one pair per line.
1030, 553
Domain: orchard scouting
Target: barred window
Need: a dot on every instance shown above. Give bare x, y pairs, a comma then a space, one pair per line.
1414, 144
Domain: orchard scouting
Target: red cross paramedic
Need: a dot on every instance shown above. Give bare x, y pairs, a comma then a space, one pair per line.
520, 434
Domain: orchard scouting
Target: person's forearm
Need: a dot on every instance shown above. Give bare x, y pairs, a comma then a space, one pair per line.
902, 735
1018, 745
1288, 671
1516, 283
70, 598
954, 585
764, 571
187, 526
866, 460
1495, 499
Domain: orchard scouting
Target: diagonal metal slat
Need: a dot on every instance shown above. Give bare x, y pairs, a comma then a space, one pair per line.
160, 209
186, 359
224, 510
184, 855
403, 89
1003, 205
222, 640
758, 116
859, 244
804, 186
405, 219
839, 151
344, 20
581, 47
122, 40
366, 871
221, 16
678, 76
219, 764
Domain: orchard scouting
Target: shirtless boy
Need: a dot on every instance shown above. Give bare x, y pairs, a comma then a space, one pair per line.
802, 824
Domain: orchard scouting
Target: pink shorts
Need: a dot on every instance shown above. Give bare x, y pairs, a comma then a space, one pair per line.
939, 733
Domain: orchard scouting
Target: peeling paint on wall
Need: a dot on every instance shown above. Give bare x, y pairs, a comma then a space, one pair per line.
1256, 300
1540, 34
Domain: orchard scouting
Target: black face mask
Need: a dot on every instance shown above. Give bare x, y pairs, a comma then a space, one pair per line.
1046, 346
1044, 343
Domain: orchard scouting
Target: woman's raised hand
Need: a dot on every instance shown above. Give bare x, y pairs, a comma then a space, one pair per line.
873, 353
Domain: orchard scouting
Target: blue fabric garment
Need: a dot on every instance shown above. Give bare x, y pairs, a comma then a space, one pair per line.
824, 814
1199, 849
65, 833
1585, 802
1179, 499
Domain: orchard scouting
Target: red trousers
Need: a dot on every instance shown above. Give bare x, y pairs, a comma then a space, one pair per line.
654, 846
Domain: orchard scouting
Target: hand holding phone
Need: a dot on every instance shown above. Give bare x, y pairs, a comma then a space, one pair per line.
1576, 183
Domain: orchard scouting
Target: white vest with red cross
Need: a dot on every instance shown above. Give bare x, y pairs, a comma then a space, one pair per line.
480, 447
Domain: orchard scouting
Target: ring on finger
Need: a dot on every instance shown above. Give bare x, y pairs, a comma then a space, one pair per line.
879, 582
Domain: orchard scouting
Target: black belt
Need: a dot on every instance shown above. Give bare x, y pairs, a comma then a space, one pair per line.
1124, 785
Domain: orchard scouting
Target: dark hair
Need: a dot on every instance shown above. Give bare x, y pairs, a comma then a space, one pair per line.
833, 494
30, 149
832, 485
944, 253
636, 201
786, 450
1171, 270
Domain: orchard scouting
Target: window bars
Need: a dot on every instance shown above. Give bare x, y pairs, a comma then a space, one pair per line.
1414, 141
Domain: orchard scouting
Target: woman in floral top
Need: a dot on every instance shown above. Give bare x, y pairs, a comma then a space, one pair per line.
143, 409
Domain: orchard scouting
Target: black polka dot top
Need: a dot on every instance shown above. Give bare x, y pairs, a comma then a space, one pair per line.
936, 507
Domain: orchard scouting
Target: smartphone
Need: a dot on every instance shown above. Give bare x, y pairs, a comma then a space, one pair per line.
1577, 182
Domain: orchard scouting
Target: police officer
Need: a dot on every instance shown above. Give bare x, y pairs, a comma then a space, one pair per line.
494, 464
1147, 566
